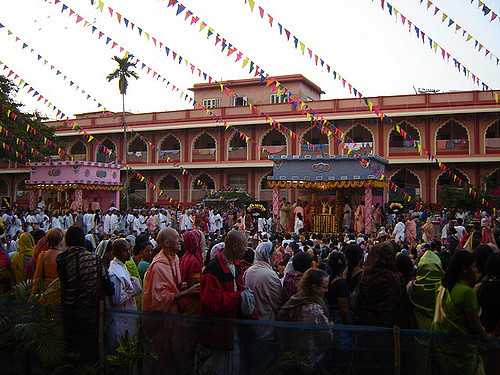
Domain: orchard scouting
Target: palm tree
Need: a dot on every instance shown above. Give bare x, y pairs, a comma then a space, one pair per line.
123, 72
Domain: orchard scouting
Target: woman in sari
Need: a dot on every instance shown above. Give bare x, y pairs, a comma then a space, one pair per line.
457, 312
22, 257
45, 278
191, 264
428, 231
5, 274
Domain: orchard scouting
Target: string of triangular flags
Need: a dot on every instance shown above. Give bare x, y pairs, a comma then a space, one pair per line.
13, 115
58, 72
486, 10
79, 20
126, 21
141, 178
21, 156
23, 84
278, 88
420, 34
459, 30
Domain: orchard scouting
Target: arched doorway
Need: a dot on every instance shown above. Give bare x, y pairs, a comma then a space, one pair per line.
452, 138
492, 138
451, 191
273, 143
204, 148
237, 147
137, 193
79, 151
399, 145
170, 150
316, 143
201, 186
106, 152
137, 151
360, 140
408, 182
171, 188
492, 184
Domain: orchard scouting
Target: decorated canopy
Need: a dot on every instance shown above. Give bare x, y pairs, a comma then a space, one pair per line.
73, 175
323, 173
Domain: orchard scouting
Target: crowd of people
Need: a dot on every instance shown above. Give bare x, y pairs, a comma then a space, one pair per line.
412, 271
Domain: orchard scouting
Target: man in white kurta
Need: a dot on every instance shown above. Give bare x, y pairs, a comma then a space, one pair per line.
126, 288
186, 221
399, 231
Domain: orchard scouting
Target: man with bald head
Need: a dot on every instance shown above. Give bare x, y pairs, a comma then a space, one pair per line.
126, 288
162, 281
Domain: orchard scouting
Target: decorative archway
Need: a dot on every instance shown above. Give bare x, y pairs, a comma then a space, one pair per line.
360, 139
171, 188
273, 143
200, 186
452, 138
102, 153
398, 145
238, 148
78, 151
137, 151
315, 143
492, 138
137, 192
408, 181
204, 148
448, 188
170, 149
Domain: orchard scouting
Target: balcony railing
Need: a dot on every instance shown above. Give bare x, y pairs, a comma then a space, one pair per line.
237, 153
169, 155
315, 149
204, 154
137, 157
453, 145
493, 145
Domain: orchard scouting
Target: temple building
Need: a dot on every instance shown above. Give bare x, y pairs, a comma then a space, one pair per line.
461, 128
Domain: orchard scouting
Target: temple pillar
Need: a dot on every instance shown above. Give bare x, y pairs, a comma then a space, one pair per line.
32, 195
117, 199
368, 208
276, 207
79, 198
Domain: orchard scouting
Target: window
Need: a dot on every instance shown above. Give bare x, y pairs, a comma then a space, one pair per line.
238, 181
276, 99
240, 101
211, 103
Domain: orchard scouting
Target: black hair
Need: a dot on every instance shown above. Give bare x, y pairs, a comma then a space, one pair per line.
249, 255
302, 262
354, 256
140, 243
481, 255
459, 262
37, 235
493, 265
337, 263
405, 265
436, 245
75, 237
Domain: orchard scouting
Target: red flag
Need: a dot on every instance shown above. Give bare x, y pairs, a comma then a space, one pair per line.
270, 20
78, 18
287, 32
261, 11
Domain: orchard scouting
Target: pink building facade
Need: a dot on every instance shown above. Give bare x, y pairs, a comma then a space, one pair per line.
461, 128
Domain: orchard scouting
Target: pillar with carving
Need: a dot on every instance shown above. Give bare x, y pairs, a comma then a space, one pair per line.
368, 208
79, 198
276, 207
32, 199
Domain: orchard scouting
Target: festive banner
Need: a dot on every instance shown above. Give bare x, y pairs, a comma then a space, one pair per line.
127, 22
486, 10
22, 84
458, 30
148, 70
420, 34
55, 70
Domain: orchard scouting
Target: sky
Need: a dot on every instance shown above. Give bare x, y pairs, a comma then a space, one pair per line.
368, 47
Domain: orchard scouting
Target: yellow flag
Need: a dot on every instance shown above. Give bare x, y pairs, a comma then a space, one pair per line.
434, 45
270, 119
370, 105
146, 35
497, 99
469, 37
202, 26
245, 62
221, 87
445, 16
302, 47
251, 3
100, 5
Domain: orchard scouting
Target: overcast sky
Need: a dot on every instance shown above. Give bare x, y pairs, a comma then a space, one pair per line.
367, 46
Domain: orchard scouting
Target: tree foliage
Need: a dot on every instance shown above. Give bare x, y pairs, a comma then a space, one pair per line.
124, 71
14, 119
